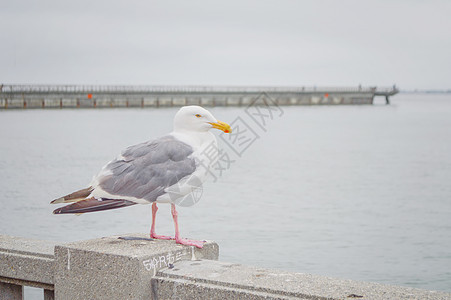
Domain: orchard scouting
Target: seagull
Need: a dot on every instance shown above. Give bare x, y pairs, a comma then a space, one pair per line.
170, 169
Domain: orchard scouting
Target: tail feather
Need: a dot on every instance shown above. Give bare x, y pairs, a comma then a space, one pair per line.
92, 205
75, 196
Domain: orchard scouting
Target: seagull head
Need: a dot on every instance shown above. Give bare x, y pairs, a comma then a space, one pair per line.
196, 118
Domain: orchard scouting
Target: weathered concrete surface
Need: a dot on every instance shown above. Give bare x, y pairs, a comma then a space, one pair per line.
112, 268
26, 260
206, 279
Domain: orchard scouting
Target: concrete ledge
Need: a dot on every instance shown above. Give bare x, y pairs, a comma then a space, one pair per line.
85, 269
26, 261
218, 280
142, 268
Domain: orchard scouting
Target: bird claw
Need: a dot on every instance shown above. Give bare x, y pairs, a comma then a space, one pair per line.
161, 237
134, 238
186, 242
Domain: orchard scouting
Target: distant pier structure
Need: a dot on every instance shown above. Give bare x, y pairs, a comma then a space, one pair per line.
75, 96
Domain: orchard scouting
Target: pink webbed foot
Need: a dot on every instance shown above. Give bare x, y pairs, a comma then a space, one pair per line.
186, 242
178, 239
161, 237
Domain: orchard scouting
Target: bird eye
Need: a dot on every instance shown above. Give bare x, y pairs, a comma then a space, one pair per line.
197, 115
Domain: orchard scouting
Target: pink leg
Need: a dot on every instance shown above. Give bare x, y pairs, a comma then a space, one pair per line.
152, 228
178, 239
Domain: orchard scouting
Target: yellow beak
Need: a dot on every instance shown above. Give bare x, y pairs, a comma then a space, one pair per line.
222, 126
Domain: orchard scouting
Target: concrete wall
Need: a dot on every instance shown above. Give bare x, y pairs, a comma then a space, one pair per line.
80, 100
216, 280
115, 268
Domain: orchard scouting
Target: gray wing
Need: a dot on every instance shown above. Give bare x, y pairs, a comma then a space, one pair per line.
146, 169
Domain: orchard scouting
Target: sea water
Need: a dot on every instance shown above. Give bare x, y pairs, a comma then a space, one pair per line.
357, 192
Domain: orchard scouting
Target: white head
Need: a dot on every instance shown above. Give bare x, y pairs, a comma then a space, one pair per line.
196, 118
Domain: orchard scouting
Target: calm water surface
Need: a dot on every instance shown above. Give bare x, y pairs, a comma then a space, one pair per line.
358, 192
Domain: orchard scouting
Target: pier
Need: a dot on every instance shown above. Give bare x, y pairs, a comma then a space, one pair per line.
118, 268
93, 96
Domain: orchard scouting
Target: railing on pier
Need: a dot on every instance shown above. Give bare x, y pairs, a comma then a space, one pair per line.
25, 262
42, 88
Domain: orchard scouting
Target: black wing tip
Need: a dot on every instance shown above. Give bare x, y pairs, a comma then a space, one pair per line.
92, 205
57, 211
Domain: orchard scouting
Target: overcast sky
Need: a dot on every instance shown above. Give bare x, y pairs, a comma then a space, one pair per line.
232, 42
